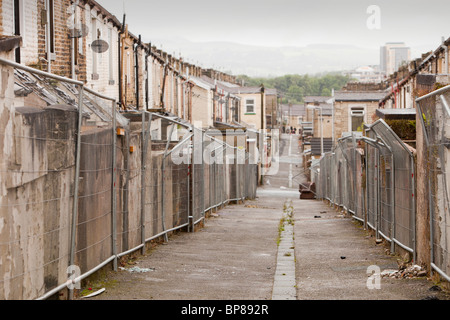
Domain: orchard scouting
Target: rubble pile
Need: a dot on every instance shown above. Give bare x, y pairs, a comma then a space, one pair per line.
411, 271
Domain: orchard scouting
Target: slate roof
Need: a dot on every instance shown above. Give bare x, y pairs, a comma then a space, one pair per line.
312, 99
296, 110
360, 95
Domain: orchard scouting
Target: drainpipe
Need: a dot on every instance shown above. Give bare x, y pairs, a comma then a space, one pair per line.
136, 55
147, 54
445, 47
72, 58
47, 31
261, 136
163, 89
332, 116
72, 36
122, 30
446, 59
262, 107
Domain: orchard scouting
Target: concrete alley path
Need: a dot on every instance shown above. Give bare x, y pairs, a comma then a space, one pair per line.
236, 255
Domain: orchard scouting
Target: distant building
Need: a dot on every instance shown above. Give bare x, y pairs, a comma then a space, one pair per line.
315, 101
392, 56
292, 115
356, 105
367, 74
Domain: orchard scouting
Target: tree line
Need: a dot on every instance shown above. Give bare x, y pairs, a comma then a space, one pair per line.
293, 88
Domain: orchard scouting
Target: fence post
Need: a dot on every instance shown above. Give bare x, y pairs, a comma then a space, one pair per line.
236, 164
354, 175
413, 205
166, 238
192, 216
216, 182
113, 186
189, 164
393, 229
331, 175
76, 187
224, 175
144, 144
377, 216
366, 194
202, 163
430, 206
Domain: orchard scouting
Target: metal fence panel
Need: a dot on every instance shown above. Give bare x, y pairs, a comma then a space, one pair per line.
36, 205
375, 185
372, 185
435, 120
401, 189
89, 194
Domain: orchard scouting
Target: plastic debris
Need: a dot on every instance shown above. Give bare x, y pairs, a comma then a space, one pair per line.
137, 269
96, 293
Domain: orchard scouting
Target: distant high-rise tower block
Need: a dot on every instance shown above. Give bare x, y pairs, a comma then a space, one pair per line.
392, 56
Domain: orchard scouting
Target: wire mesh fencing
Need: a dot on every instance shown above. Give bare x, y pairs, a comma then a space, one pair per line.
371, 176
37, 177
86, 184
435, 120
397, 187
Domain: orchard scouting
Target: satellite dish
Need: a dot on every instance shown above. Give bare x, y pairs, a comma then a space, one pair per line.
99, 46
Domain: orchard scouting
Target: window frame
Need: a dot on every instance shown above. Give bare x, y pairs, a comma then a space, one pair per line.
356, 112
247, 104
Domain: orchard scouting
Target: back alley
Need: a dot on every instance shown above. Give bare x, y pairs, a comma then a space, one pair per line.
236, 255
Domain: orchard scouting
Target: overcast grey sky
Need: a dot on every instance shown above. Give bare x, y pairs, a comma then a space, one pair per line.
286, 22
419, 23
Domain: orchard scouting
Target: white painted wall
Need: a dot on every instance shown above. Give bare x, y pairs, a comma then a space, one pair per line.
202, 106
104, 61
28, 26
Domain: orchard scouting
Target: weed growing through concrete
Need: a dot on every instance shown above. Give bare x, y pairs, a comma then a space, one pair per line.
287, 219
280, 230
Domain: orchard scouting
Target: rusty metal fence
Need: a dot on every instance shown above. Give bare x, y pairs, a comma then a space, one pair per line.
372, 177
97, 184
435, 121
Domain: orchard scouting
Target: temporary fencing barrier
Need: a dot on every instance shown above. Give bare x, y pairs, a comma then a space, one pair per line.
91, 185
372, 177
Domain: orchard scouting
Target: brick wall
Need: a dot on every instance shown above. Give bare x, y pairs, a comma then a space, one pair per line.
61, 64
363, 86
128, 76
